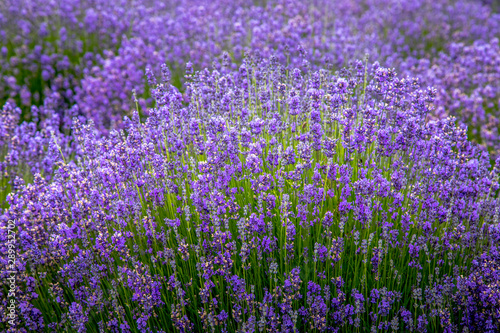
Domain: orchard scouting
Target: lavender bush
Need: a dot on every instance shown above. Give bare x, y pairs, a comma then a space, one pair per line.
229, 166
266, 199
466, 78
326, 33
47, 46
94, 53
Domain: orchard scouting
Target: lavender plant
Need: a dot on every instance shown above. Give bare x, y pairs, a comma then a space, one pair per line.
466, 79
94, 53
46, 47
262, 196
321, 33
267, 199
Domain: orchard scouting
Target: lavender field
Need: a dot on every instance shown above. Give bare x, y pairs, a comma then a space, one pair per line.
250, 166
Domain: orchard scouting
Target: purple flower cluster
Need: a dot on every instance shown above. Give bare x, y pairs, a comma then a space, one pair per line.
317, 33
466, 81
478, 294
257, 177
32, 147
264, 198
48, 45
93, 54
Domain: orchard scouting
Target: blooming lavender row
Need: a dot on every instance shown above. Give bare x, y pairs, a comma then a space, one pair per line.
466, 79
32, 147
46, 46
264, 199
314, 33
93, 54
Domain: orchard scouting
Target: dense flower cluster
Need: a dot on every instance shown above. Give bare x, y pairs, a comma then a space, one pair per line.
325, 32
236, 166
47, 45
266, 199
466, 79
94, 53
